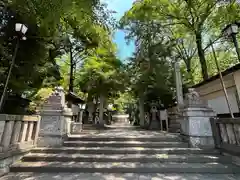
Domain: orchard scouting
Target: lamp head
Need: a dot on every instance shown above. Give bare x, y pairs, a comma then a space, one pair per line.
21, 28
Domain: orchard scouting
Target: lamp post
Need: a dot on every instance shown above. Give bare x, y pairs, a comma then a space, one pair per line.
232, 30
82, 108
21, 31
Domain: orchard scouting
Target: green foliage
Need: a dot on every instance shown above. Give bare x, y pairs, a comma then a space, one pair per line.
125, 100
101, 71
39, 98
54, 28
193, 22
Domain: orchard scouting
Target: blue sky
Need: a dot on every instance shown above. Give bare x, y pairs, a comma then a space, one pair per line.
121, 6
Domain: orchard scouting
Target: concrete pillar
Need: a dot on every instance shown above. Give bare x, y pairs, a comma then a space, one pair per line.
30, 131
36, 130
7, 134
178, 81
23, 131
16, 132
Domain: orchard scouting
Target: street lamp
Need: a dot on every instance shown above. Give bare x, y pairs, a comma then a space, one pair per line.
21, 30
232, 30
110, 106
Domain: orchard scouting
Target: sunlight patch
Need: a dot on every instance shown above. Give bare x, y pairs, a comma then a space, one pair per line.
139, 148
162, 156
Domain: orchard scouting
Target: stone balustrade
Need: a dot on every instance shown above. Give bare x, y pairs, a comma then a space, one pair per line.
226, 133
18, 132
18, 135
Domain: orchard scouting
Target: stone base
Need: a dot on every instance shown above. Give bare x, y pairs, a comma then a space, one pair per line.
199, 142
50, 141
76, 128
196, 127
154, 125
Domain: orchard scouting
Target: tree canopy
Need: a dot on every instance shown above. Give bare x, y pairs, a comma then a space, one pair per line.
70, 43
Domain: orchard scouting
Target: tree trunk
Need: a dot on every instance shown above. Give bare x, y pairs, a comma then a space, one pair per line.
71, 78
90, 105
190, 77
201, 55
141, 109
101, 109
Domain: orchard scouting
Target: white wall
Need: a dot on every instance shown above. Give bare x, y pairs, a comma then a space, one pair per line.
219, 104
212, 93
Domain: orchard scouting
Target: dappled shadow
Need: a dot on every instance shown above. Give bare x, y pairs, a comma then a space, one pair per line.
130, 176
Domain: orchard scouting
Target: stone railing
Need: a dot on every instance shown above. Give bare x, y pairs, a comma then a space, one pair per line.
226, 133
18, 132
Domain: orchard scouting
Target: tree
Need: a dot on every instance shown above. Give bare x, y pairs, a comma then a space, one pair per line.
196, 18
101, 73
150, 68
49, 23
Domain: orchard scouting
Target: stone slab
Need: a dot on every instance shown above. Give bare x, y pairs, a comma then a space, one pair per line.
50, 141
124, 167
111, 176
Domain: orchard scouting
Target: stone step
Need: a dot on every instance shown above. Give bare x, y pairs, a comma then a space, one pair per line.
124, 144
167, 138
117, 176
191, 158
132, 150
121, 167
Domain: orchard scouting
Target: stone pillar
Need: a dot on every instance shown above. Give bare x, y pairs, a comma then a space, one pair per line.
55, 120
195, 125
178, 81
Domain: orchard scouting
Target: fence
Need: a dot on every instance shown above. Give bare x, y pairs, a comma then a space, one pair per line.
226, 133
18, 132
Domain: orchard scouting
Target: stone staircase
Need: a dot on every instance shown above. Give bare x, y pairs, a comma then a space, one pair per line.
138, 154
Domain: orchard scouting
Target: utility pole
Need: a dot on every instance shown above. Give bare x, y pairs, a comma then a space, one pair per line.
221, 79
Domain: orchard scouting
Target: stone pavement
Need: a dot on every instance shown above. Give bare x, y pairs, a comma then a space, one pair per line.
121, 153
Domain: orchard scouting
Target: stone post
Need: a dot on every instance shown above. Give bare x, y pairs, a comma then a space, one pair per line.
179, 94
178, 81
55, 120
195, 125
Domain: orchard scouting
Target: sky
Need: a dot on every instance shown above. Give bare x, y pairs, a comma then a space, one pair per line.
121, 6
